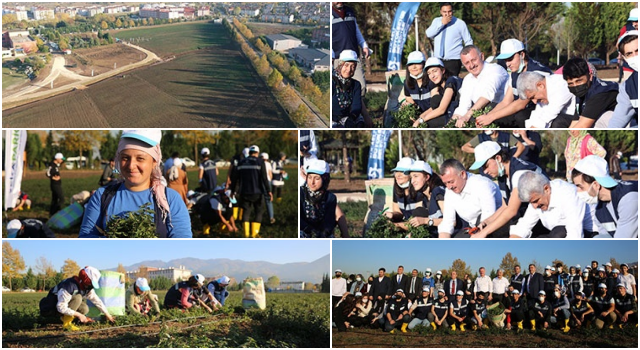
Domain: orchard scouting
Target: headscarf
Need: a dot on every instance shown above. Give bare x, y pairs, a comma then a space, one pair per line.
157, 188
575, 143
314, 201
343, 89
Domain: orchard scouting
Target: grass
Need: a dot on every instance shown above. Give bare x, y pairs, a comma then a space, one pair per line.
355, 213
286, 212
10, 78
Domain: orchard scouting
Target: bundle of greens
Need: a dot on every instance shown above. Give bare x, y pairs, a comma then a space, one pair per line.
405, 116
382, 227
135, 224
472, 121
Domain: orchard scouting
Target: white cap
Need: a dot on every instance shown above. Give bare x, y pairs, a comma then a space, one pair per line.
428, 269
400, 290
441, 291
633, 15
358, 294
602, 285
615, 271
338, 270
200, 279
601, 269
254, 149
316, 166
94, 276
245, 152
626, 34
142, 283
509, 48
515, 291
438, 272
415, 57
404, 164
149, 136
58, 156
585, 270
425, 289
542, 292
348, 56
621, 285
619, 153
13, 227
459, 292
223, 280
433, 62
598, 168
204, 150
547, 267
483, 152
191, 193
553, 268
578, 267
264, 155
421, 166
607, 264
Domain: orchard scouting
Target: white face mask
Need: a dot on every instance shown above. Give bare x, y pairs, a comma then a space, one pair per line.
358, 279
500, 168
548, 272
405, 185
416, 77
587, 198
541, 299
557, 294
488, 132
633, 63
585, 274
428, 274
365, 300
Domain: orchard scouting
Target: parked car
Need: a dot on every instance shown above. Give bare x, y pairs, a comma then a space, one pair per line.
27, 290
221, 163
188, 162
631, 165
613, 61
291, 161
596, 61
5, 289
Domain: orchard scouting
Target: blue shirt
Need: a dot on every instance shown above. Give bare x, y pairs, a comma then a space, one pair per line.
125, 201
454, 33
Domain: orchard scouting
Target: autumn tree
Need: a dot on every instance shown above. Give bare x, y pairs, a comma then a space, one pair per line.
196, 138
614, 263
45, 270
508, 263
81, 140
70, 268
460, 267
123, 271
104, 25
275, 79
12, 262
118, 23
143, 271
294, 73
273, 282
555, 262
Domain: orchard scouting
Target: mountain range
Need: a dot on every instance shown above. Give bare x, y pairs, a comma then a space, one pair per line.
240, 269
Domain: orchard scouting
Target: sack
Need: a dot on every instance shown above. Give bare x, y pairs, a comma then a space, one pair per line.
253, 294
67, 217
112, 294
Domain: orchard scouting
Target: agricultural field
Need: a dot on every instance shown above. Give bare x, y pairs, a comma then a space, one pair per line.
290, 320
101, 59
204, 81
10, 79
75, 181
489, 338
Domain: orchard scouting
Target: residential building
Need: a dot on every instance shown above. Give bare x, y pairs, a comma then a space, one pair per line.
173, 274
282, 42
312, 60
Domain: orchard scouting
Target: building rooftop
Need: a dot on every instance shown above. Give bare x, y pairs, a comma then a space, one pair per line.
310, 54
275, 37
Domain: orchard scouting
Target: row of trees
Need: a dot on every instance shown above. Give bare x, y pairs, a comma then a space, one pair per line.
31, 65
576, 29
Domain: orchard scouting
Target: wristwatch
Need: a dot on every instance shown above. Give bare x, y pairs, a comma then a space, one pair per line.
430, 222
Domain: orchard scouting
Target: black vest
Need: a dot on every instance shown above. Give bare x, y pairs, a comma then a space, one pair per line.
603, 215
343, 31
631, 88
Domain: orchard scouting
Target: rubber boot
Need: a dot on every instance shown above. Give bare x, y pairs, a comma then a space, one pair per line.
475, 327
519, 325
67, 323
206, 229
236, 211
241, 214
404, 327
247, 229
278, 200
533, 325
453, 327
255, 229
392, 331
462, 327
433, 324
566, 326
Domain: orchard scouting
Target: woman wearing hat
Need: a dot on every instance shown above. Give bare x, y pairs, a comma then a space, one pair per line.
346, 94
67, 299
183, 294
319, 210
138, 160
140, 300
443, 88
404, 200
218, 288
430, 188
416, 83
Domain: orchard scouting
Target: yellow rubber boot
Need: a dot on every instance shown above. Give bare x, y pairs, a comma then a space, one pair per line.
392, 331
533, 325
206, 229
236, 211
247, 229
519, 325
453, 327
433, 324
255, 229
404, 327
566, 326
278, 200
475, 327
462, 327
67, 323
241, 214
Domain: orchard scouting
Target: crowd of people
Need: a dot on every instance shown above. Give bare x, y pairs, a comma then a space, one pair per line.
510, 196
598, 295
137, 176
520, 91
68, 299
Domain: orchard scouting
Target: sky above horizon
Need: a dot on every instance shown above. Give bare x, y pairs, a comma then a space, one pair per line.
367, 256
106, 254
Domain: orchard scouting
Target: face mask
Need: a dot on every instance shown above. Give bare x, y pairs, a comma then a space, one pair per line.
500, 168
585, 274
587, 198
440, 296
405, 185
428, 274
548, 273
515, 134
416, 77
541, 299
579, 91
365, 300
521, 64
338, 275
633, 63
358, 279
557, 294
488, 132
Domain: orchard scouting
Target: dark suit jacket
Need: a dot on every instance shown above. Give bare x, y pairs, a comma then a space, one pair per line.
381, 288
404, 284
417, 288
533, 284
447, 288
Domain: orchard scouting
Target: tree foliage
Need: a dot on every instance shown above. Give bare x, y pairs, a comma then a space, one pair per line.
12, 262
508, 263
273, 282
70, 268
46, 272
460, 266
160, 283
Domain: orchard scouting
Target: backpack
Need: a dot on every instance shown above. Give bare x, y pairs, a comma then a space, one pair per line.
110, 192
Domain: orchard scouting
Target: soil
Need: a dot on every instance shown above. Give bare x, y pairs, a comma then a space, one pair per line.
102, 58
259, 29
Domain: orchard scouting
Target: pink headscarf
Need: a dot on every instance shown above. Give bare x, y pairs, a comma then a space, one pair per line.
157, 188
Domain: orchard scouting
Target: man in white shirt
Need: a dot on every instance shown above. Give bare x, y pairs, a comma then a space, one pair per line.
473, 198
485, 85
338, 288
483, 284
555, 104
555, 204
500, 286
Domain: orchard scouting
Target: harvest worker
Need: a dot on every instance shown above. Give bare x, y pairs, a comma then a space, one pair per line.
346, 93
473, 198
218, 288
555, 204
616, 202
484, 86
28, 228
53, 173
137, 159
253, 185
397, 313
67, 299
416, 83
108, 174
207, 172
183, 294
139, 298
319, 210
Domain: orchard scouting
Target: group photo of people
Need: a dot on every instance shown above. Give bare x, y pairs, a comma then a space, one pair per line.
463, 184
144, 184
464, 65
582, 289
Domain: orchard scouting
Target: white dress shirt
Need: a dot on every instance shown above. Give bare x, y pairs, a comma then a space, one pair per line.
561, 100
500, 285
491, 84
480, 197
338, 287
483, 284
565, 209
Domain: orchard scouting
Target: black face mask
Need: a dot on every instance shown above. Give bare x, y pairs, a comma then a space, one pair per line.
580, 91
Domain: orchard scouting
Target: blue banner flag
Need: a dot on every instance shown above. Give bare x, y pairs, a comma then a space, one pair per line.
405, 13
379, 139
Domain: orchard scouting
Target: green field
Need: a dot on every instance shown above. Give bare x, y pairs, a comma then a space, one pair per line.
290, 320
204, 81
285, 212
10, 78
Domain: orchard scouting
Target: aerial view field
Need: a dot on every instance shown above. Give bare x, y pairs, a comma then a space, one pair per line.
201, 80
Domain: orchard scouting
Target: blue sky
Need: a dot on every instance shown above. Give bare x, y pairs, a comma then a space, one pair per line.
104, 254
367, 256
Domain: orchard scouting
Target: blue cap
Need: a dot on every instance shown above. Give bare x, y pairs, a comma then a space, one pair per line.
149, 136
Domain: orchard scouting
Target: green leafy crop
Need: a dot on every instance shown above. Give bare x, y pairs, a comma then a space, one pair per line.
135, 224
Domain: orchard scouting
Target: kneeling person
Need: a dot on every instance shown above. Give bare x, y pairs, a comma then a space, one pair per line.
139, 298
397, 313
458, 311
218, 288
541, 312
421, 310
